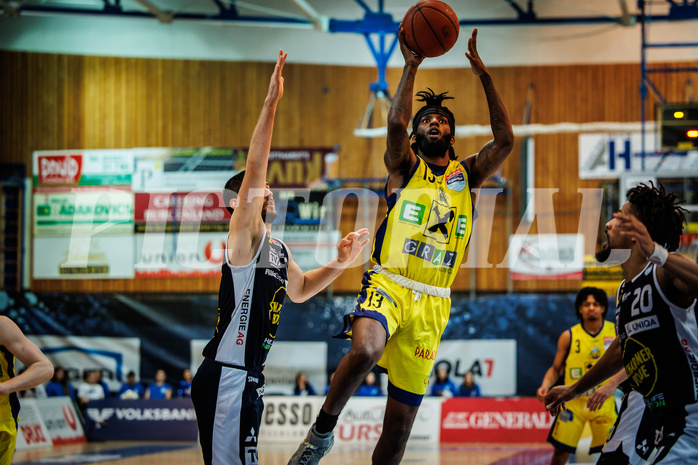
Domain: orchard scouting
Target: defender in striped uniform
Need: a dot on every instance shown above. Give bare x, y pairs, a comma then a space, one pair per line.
258, 273
13, 343
404, 303
578, 349
657, 330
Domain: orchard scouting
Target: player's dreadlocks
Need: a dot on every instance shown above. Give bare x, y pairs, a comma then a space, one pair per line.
432, 104
660, 212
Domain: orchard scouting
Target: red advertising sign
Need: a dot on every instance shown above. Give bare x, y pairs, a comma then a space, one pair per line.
494, 419
158, 208
59, 169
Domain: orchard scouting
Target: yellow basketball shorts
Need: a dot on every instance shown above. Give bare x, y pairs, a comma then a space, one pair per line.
8, 439
413, 323
568, 425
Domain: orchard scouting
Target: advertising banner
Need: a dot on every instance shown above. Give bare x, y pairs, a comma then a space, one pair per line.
113, 356
312, 248
361, 421
160, 254
66, 211
546, 256
478, 420
286, 359
31, 430
141, 420
83, 167
606, 278
493, 363
608, 156
181, 211
286, 419
191, 169
81, 257
62, 421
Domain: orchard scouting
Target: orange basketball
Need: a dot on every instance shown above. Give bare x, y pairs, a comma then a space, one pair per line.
431, 28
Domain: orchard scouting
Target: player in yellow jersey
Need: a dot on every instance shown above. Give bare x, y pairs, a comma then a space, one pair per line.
577, 350
13, 343
404, 302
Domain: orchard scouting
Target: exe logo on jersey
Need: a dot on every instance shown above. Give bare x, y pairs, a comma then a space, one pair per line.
439, 221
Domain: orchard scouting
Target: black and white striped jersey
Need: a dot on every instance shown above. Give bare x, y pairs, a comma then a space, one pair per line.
659, 342
249, 306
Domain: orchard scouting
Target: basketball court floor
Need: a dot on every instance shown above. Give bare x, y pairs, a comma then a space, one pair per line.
181, 453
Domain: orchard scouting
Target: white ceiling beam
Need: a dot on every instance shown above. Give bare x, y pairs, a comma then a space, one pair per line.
322, 23
163, 17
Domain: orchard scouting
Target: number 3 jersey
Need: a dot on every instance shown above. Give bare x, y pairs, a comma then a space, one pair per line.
586, 349
249, 306
659, 342
427, 226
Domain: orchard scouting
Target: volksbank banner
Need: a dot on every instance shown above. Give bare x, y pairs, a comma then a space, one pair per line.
141, 420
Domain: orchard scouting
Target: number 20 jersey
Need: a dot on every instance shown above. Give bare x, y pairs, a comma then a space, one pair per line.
659, 342
428, 224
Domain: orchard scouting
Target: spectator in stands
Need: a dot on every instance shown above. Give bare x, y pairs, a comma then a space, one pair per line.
469, 388
91, 389
184, 388
59, 385
303, 387
160, 389
443, 386
369, 388
131, 389
105, 386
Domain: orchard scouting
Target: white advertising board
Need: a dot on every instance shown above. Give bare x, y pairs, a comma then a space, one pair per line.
80, 257
493, 362
608, 156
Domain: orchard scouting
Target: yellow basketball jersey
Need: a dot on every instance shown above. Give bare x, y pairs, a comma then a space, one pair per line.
428, 224
586, 349
9, 404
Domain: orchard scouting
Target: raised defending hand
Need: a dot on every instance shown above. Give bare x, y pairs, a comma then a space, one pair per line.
351, 246
410, 57
276, 85
556, 397
476, 63
632, 227
599, 396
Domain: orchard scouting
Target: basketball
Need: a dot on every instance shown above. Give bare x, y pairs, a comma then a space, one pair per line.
431, 28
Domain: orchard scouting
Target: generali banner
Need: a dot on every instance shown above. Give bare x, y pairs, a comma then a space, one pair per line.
483, 419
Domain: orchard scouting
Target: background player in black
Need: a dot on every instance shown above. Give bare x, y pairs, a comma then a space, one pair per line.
666, 305
231, 372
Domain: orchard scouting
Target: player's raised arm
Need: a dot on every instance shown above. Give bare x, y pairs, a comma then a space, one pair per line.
39, 368
302, 286
492, 155
246, 223
399, 158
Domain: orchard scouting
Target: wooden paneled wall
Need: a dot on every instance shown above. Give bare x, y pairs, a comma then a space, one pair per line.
51, 102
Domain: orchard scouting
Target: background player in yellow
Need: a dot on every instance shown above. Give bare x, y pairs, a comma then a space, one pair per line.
578, 348
13, 343
404, 303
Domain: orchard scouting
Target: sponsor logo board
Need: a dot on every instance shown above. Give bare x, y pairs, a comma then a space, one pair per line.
521, 420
